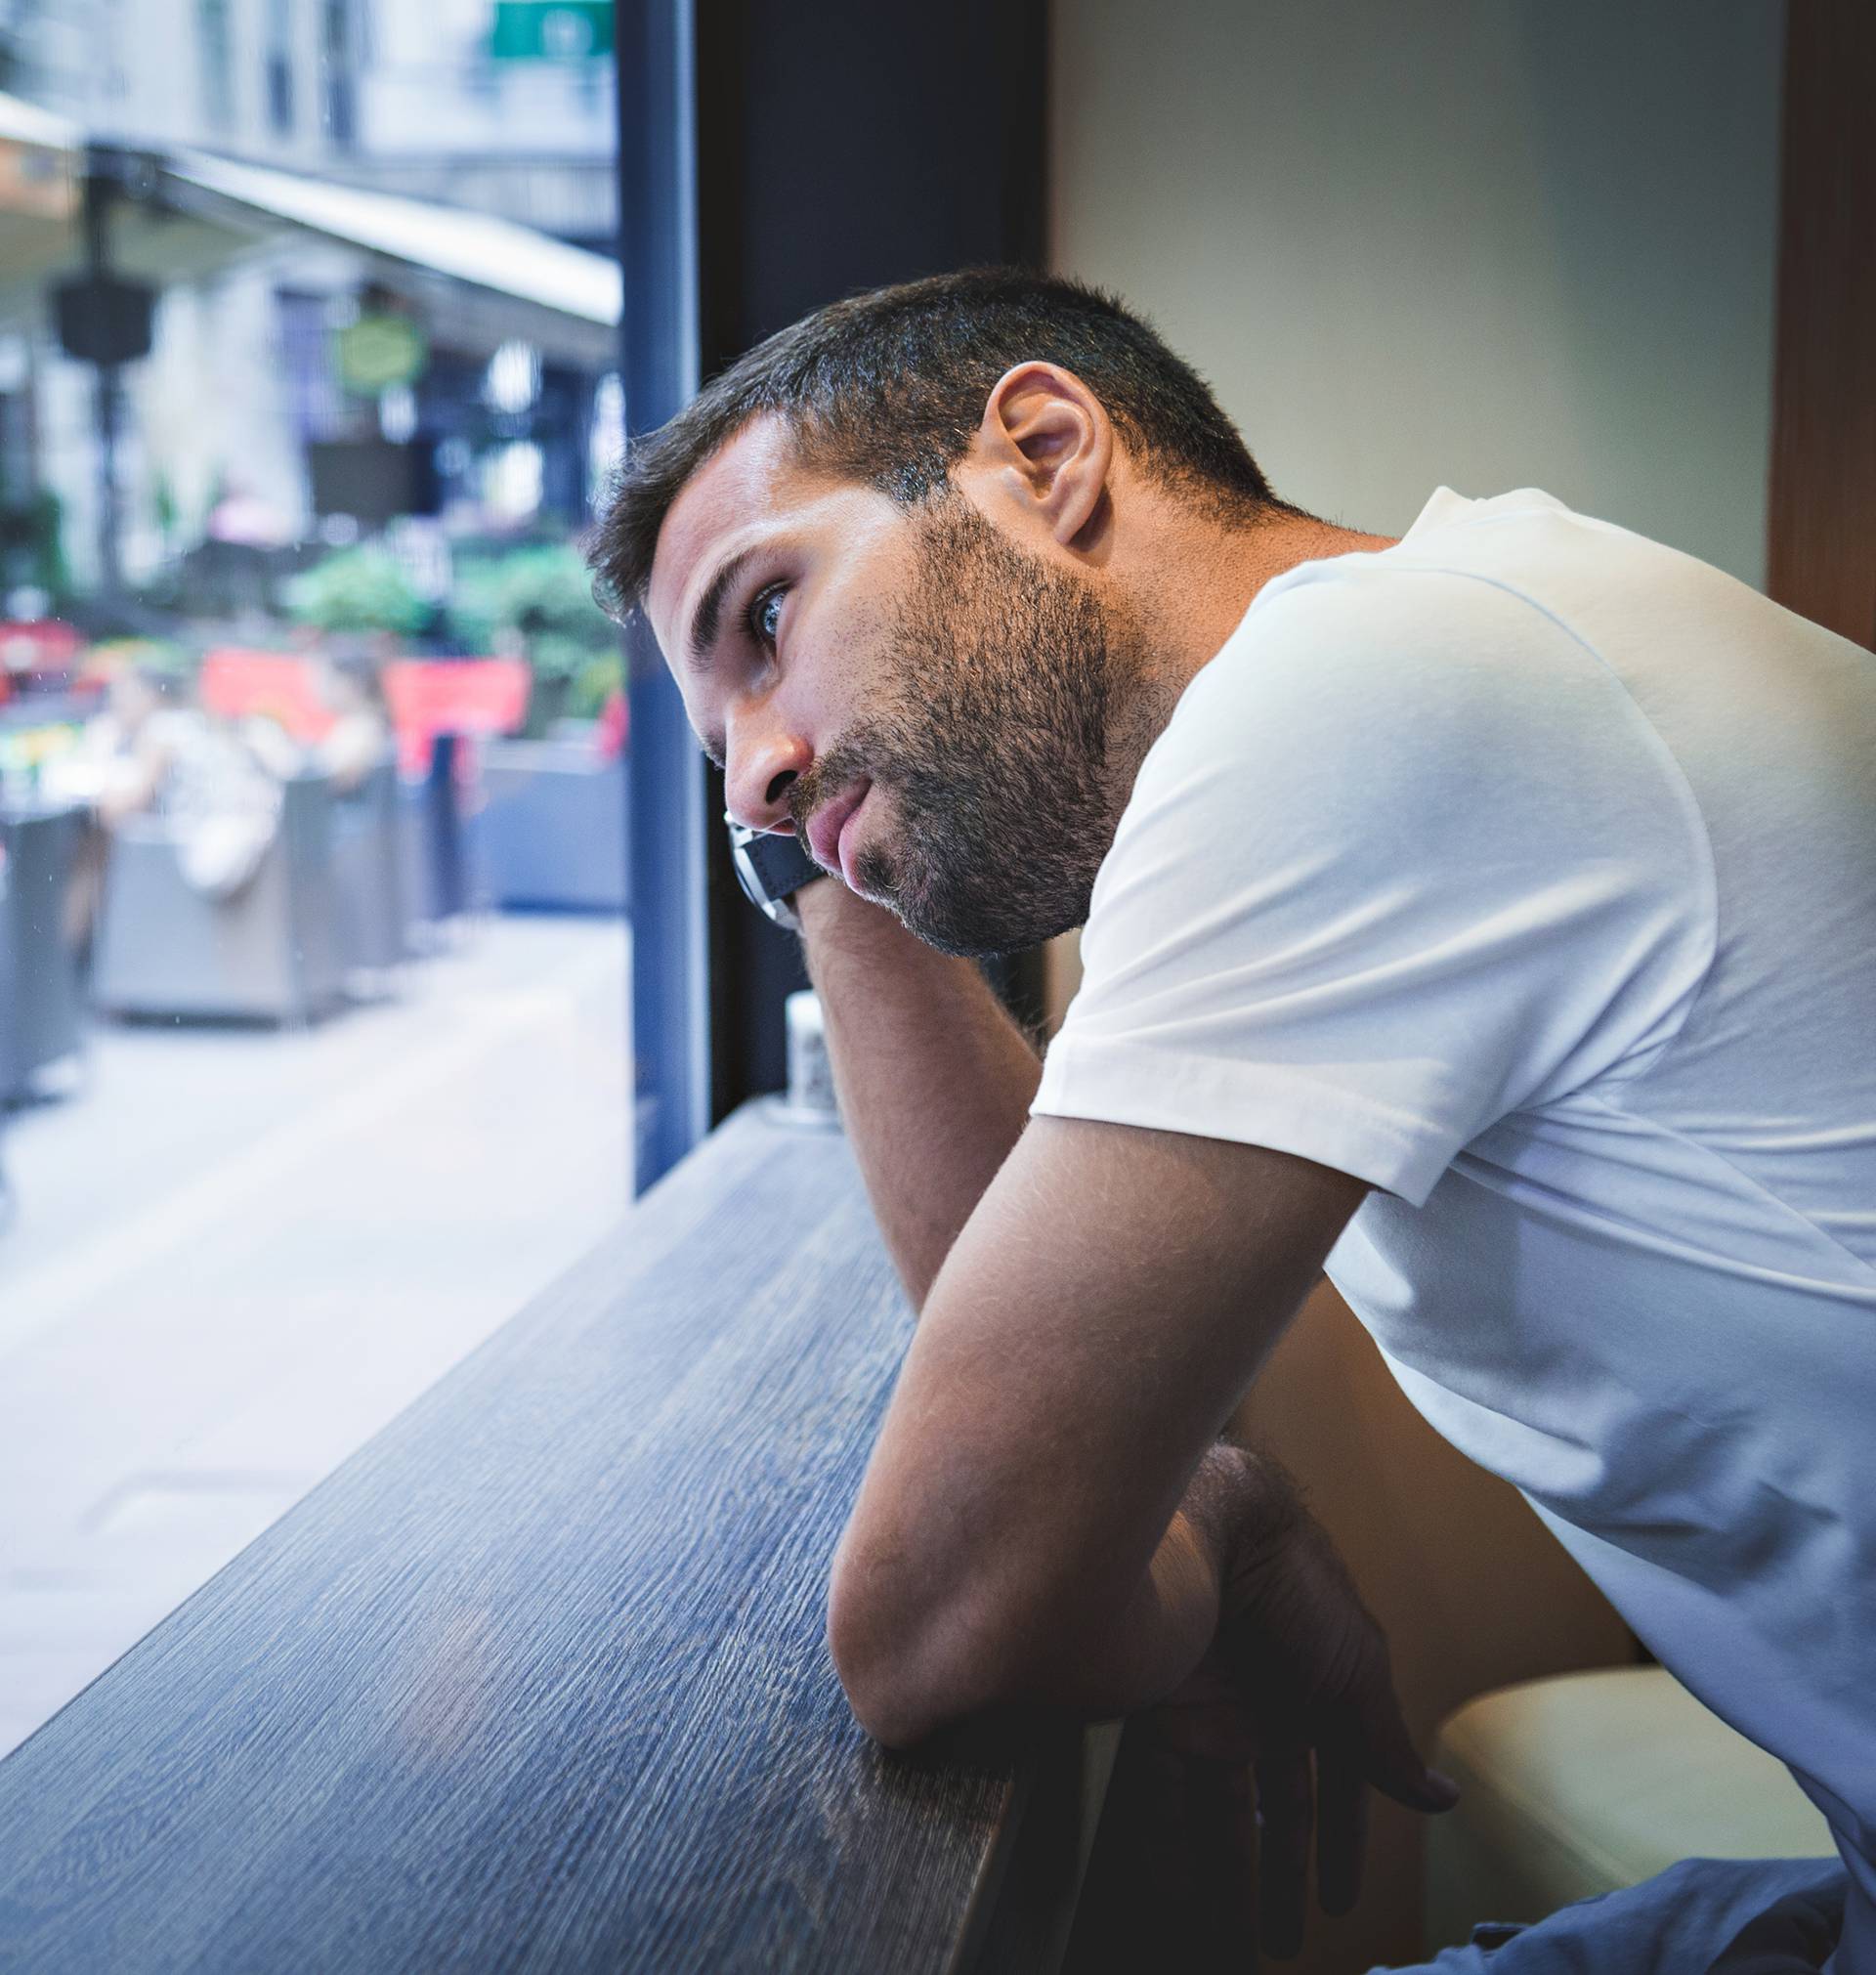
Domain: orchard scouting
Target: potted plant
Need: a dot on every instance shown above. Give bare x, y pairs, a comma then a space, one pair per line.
358, 590
539, 601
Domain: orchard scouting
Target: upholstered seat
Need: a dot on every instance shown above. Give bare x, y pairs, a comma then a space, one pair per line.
1589, 1781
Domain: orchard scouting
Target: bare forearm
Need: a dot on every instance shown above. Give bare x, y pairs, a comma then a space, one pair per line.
935, 1079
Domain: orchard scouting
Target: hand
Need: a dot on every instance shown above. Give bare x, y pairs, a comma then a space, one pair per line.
1290, 1714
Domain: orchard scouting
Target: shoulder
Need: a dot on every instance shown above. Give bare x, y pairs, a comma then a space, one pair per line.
1405, 858
1358, 641
1377, 722
1360, 684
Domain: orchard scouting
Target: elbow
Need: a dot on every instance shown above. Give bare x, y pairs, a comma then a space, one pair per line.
902, 1680
892, 1711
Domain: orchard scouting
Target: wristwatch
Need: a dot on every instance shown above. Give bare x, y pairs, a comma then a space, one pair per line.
771, 869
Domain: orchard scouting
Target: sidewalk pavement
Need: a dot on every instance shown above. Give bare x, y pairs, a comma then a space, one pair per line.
237, 1253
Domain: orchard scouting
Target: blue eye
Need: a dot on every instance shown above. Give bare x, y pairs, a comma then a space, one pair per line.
764, 615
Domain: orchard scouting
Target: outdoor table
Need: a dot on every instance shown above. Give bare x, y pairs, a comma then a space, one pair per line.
40, 1016
538, 1680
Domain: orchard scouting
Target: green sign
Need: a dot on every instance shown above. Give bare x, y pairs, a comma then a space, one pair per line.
378, 353
551, 30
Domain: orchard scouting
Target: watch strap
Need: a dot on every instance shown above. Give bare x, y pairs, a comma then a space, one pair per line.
771, 869
780, 864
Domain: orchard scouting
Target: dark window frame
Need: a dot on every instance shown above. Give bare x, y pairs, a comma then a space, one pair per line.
735, 217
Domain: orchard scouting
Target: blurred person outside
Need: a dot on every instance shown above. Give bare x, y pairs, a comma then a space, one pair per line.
1441, 896
119, 767
124, 755
351, 685
212, 785
348, 684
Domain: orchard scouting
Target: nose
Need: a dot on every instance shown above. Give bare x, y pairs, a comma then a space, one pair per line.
762, 768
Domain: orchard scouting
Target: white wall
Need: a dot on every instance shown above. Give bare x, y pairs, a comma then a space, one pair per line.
1485, 243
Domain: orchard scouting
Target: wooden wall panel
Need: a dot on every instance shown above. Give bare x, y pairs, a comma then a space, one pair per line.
1821, 523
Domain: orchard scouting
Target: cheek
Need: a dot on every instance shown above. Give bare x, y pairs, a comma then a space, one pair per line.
839, 678
842, 661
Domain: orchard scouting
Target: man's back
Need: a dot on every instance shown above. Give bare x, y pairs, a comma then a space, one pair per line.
1529, 871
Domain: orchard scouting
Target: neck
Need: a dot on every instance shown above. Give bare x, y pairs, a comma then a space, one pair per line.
1190, 596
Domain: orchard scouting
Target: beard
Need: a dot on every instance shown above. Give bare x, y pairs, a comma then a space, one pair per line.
996, 748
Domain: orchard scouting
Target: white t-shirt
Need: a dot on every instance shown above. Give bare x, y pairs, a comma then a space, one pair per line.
1527, 870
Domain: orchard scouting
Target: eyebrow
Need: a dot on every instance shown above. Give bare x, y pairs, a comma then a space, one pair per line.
709, 609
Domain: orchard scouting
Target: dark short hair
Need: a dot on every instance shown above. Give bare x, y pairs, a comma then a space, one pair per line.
889, 388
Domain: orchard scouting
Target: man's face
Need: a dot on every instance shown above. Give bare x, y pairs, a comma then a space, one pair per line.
922, 699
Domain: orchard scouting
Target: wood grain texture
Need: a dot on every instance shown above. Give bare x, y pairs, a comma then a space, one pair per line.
1822, 547
537, 1680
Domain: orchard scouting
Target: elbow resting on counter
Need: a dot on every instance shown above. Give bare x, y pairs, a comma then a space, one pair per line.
907, 1679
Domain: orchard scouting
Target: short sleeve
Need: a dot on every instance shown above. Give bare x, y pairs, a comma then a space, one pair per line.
1406, 859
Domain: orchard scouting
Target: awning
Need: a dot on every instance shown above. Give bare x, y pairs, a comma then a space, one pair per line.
23, 122
39, 196
42, 163
487, 278
508, 263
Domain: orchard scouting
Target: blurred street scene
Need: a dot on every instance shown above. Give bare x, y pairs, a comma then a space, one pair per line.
313, 745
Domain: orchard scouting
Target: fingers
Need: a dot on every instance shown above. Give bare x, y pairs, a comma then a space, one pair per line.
1221, 1822
1392, 1761
1286, 1803
1342, 1832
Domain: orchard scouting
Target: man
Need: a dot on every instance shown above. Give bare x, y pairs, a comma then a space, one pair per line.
1484, 915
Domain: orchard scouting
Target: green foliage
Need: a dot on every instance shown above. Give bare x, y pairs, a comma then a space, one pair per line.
594, 684
357, 589
163, 510
540, 598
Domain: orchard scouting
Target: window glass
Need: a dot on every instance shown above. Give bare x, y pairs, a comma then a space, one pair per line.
216, 62
314, 944
277, 74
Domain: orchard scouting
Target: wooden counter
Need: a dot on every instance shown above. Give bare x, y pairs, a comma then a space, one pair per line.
537, 1680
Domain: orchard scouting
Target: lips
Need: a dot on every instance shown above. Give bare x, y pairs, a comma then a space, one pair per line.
828, 823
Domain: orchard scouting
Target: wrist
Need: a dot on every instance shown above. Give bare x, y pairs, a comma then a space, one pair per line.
824, 902
832, 917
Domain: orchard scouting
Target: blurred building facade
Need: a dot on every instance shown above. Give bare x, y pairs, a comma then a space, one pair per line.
262, 417
505, 106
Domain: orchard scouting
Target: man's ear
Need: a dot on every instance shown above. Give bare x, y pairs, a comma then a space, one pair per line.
1045, 447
